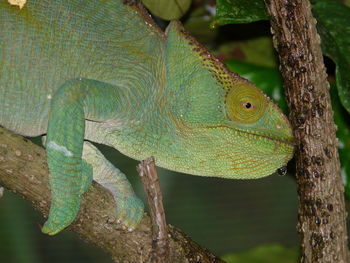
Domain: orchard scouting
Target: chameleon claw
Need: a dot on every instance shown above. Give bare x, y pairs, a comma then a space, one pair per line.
60, 217
52, 228
129, 212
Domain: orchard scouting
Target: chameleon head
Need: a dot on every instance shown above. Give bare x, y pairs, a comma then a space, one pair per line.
244, 136
264, 132
225, 125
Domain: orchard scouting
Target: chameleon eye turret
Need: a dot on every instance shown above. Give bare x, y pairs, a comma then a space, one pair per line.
245, 104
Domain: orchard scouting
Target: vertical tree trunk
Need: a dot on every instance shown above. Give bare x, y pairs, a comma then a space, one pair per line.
322, 215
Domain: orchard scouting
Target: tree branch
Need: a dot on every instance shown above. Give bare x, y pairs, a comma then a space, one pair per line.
23, 170
149, 177
322, 215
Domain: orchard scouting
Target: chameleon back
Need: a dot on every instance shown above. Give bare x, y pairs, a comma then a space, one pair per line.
49, 42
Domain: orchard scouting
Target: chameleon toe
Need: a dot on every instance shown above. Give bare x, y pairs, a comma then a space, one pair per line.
52, 228
130, 212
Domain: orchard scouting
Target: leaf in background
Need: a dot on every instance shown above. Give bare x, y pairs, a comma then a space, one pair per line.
265, 254
168, 9
342, 120
258, 51
266, 78
198, 22
334, 27
347, 3
239, 11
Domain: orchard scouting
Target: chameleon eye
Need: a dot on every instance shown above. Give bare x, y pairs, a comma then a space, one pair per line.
245, 104
248, 105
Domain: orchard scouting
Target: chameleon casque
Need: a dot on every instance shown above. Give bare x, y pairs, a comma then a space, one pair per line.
81, 71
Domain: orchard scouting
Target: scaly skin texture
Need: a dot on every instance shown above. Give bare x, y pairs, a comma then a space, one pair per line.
102, 71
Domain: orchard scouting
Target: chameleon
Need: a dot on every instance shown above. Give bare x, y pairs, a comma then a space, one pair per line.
81, 72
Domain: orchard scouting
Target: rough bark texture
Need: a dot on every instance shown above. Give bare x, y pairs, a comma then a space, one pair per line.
322, 215
23, 170
160, 245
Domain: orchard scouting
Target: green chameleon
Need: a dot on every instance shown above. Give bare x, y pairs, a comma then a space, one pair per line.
81, 71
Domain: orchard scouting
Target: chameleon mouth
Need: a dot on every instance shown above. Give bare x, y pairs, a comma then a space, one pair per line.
276, 140
281, 146
280, 141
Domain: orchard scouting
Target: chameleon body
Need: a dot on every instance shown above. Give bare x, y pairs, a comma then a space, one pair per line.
102, 71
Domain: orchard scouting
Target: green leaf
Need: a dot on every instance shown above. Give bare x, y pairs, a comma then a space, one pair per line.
239, 11
334, 27
266, 78
168, 9
347, 3
265, 254
342, 120
257, 50
198, 22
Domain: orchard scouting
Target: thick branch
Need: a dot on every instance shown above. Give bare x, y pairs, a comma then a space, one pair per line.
23, 170
322, 216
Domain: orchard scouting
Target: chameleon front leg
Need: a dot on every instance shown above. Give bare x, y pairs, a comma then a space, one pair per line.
70, 175
129, 209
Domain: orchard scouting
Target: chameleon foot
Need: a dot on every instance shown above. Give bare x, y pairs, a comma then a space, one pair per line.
59, 218
129, 208
53, 227
129, 211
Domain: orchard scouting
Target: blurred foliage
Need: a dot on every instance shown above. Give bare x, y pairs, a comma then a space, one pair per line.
199, 23
333, 24
342, 120
253, 51
169, 9
239, 11
265, 254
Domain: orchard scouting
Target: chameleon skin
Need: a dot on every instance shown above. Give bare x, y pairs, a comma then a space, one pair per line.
102, 71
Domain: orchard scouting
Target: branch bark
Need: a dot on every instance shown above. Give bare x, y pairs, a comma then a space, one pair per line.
160, 245
23, 170
322, 215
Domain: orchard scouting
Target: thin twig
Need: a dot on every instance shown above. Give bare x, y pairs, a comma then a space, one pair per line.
149, 177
